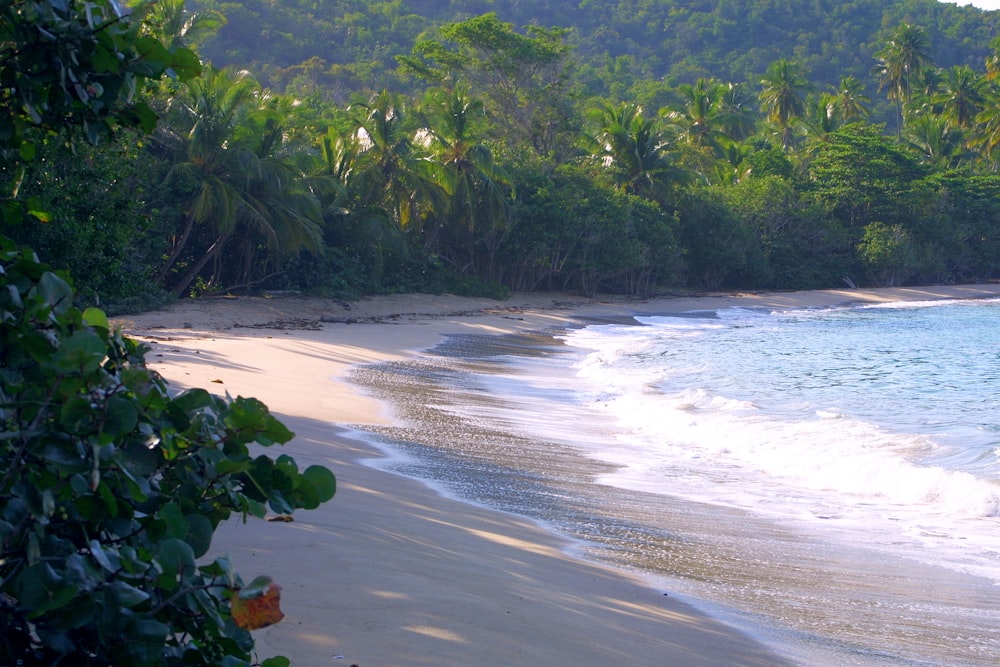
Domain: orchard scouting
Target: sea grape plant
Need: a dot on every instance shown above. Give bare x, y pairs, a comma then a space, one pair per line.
111, 487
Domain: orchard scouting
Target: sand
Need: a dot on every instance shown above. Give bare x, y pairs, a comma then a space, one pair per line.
390, 573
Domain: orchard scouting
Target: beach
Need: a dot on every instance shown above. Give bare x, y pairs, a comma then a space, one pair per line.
390, 572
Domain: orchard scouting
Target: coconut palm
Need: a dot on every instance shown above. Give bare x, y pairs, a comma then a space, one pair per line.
962, 95
849, 101
739, 112
936, 140
172, 22
391, 171
477, 188
223, 139
901, 66
988, 130
820, 116
702, 114
635, 150
782, 96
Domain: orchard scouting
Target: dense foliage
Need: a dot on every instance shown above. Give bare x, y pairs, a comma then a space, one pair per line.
620, 45
111, 486
348, 148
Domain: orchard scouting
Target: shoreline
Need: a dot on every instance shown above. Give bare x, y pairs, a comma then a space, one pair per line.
390, 572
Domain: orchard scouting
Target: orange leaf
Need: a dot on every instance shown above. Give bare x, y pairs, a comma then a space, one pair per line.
256, 608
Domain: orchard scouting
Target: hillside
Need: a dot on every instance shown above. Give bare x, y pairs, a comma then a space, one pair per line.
345, 46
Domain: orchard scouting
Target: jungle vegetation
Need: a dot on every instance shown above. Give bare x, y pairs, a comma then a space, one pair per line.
344, 148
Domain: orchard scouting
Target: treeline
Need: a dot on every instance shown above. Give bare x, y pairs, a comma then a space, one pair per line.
497, 171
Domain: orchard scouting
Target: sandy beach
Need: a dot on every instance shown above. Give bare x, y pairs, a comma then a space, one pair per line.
391, 573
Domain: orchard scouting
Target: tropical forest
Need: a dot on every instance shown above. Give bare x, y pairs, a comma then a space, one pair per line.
160, 150
345, 148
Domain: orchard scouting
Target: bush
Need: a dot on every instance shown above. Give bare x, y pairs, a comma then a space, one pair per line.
111, 488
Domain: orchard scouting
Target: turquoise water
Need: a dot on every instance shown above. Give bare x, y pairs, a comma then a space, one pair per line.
884, 421
827, 479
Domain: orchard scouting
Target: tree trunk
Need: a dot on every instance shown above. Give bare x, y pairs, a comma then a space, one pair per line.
178, 248
196, 268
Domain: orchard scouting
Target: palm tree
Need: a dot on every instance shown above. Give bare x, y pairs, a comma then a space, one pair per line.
850, 102
820, 117
172, 22
988, 135
782, 96
962, 96
635, 150
936, 140
739, 112
477, 188
703, 114
391, 171
901, 65
223, 139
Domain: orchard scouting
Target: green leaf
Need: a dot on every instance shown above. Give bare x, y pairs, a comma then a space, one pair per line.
176, 557
276, 661
40, 589
83, 352
63, 454
55, 291
199, 534
192, 400
322, 480
127, 595
154, 57
174, 523
109, 499
120, 416
149, 631
75, 415
95, 317
26, 151
184, 64
256, 588
108, 560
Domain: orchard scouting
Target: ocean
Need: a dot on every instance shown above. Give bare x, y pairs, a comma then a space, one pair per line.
827, 480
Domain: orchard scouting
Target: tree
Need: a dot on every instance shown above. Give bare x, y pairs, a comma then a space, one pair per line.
850, 102
635, 150
703, 113
477, 188
936, 140
224, 138
111, 486
74, 69
174, 23
782, 95
962, 96
901, 65
522, 76
820, 117
391, 172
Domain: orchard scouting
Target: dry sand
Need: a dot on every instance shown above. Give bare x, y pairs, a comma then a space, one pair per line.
390, 573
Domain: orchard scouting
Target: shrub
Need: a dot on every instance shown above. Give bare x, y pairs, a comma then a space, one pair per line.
111, 488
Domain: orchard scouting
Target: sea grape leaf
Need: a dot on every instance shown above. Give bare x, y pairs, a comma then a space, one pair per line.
83, 351
321, 479
257, 605
95, 317
276, 661
121, 416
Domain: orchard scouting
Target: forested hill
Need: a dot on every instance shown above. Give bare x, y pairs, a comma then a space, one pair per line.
346, 46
